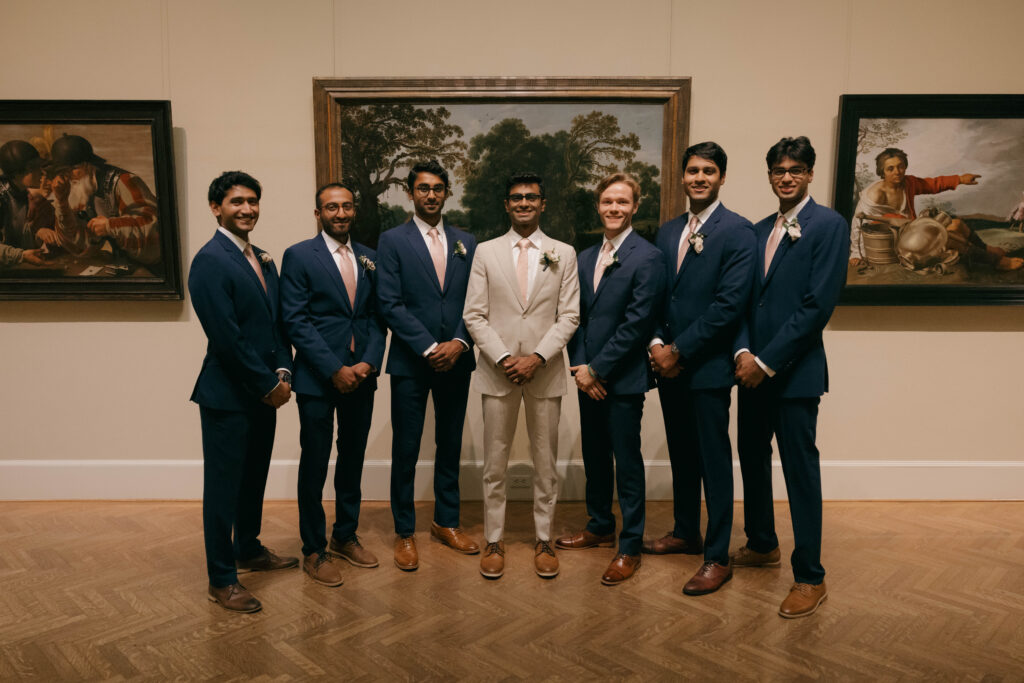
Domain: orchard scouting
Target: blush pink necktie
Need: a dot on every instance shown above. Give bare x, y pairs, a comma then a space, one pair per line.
437, 255
523, 266
773, 243
603, 262
684, 242
348, 276
251, 258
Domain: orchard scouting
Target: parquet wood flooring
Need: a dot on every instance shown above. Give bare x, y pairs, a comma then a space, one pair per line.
116, 591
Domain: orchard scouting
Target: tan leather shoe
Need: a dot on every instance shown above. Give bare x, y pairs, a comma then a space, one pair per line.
266, 561
621, 568
406, 557
671, 545
544, 560
710, 577
585, 539
803, 600
234, 598
322, 570
745, 557
354, 552
492, 562
455, 538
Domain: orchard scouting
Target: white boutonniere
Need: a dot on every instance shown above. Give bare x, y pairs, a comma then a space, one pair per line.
549, 258
265, 258
367, 264
696, 241
792, 229
460, 248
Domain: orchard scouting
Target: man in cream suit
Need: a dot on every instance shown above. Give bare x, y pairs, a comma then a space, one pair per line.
522, 306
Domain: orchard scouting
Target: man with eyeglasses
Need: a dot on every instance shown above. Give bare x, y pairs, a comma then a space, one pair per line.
522, 306
422, 272
329, 309
709, 252
780, 364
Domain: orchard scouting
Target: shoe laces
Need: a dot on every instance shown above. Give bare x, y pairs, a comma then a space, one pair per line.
804, 588
355, 541
544, 547
321, 559
706, 569
406, 542
493, 548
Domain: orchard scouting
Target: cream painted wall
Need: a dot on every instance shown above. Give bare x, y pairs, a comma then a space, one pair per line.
97, 398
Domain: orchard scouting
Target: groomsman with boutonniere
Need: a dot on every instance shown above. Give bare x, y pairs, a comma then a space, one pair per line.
329, 308
422, 272
709, 251
522, 306
780, 361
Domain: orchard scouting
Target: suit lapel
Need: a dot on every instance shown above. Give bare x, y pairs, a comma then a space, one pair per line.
236, 255
804, 219
419, 247
621, 255
505, 266
452, 261
326, 259
587, 263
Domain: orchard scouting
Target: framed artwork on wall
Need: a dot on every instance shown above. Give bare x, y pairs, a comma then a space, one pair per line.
572, 131
933, 187
88, 208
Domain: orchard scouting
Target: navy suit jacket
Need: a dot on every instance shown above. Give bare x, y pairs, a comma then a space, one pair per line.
617, 320
706, 300
321, 322
420, 310
791, 305
245, 341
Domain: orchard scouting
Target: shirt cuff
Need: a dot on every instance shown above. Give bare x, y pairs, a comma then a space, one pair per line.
656, 340
464, 343
767, 370
429, 350
267, 395
737, 354
503, 357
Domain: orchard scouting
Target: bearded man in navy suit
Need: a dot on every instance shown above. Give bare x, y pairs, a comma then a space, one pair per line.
780, 364
422, 275
710, 256
329, 308
621, 288
246, 376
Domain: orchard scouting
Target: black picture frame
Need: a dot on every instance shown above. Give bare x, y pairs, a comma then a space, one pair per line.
64, 278
978, 282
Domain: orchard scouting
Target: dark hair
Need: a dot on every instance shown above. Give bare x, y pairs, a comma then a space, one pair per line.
524, 178
431, 166
797, 149
888, 153
323, 188
228, 179
610, 180
711, 151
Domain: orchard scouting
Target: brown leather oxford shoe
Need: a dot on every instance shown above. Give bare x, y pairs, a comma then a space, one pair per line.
406, 557
710, 577
671, 545
585, 539
266, 561
803, 600
354, 553
492, 562
455, 538
621, 568
234, 598
745, 557
321, 569
545, 563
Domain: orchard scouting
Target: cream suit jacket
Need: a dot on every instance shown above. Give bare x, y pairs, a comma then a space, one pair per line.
501, 322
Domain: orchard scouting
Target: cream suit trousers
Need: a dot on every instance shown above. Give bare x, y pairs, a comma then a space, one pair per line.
500, 416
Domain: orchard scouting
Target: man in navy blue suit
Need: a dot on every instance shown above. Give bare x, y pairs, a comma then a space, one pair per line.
329, 308
621, 288
246, 376
710, 256
781, 367
423, 270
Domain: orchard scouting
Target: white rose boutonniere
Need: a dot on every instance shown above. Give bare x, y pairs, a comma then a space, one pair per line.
792, 229
696, 241
549, 258
367, 264
265, 258
460, 248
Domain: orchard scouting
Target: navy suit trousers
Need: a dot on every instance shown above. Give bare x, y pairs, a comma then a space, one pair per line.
450, 392
793, 421
610, 435
236, 459
316, 418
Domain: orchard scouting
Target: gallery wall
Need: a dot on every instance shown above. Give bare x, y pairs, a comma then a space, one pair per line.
925, 402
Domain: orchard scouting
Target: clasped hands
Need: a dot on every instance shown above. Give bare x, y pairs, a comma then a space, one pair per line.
280, 394
748, 372
444, 355
664, 361
588, 383
520, 369
349, 377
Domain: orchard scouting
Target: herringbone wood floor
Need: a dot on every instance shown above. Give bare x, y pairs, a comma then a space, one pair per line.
115, 591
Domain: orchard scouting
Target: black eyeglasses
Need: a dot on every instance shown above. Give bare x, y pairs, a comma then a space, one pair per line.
531, 197
427, 189
796, 172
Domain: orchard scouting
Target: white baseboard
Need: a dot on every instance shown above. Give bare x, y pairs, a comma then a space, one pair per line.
183, 480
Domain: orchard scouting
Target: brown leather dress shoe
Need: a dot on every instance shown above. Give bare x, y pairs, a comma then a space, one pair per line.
745, 557
234, 598
354, 552
492, 562
544, 560
266, 561
671, 545
585, 539
455, 538
803, 600
322, 570
621, 568
710, 577
406, 557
